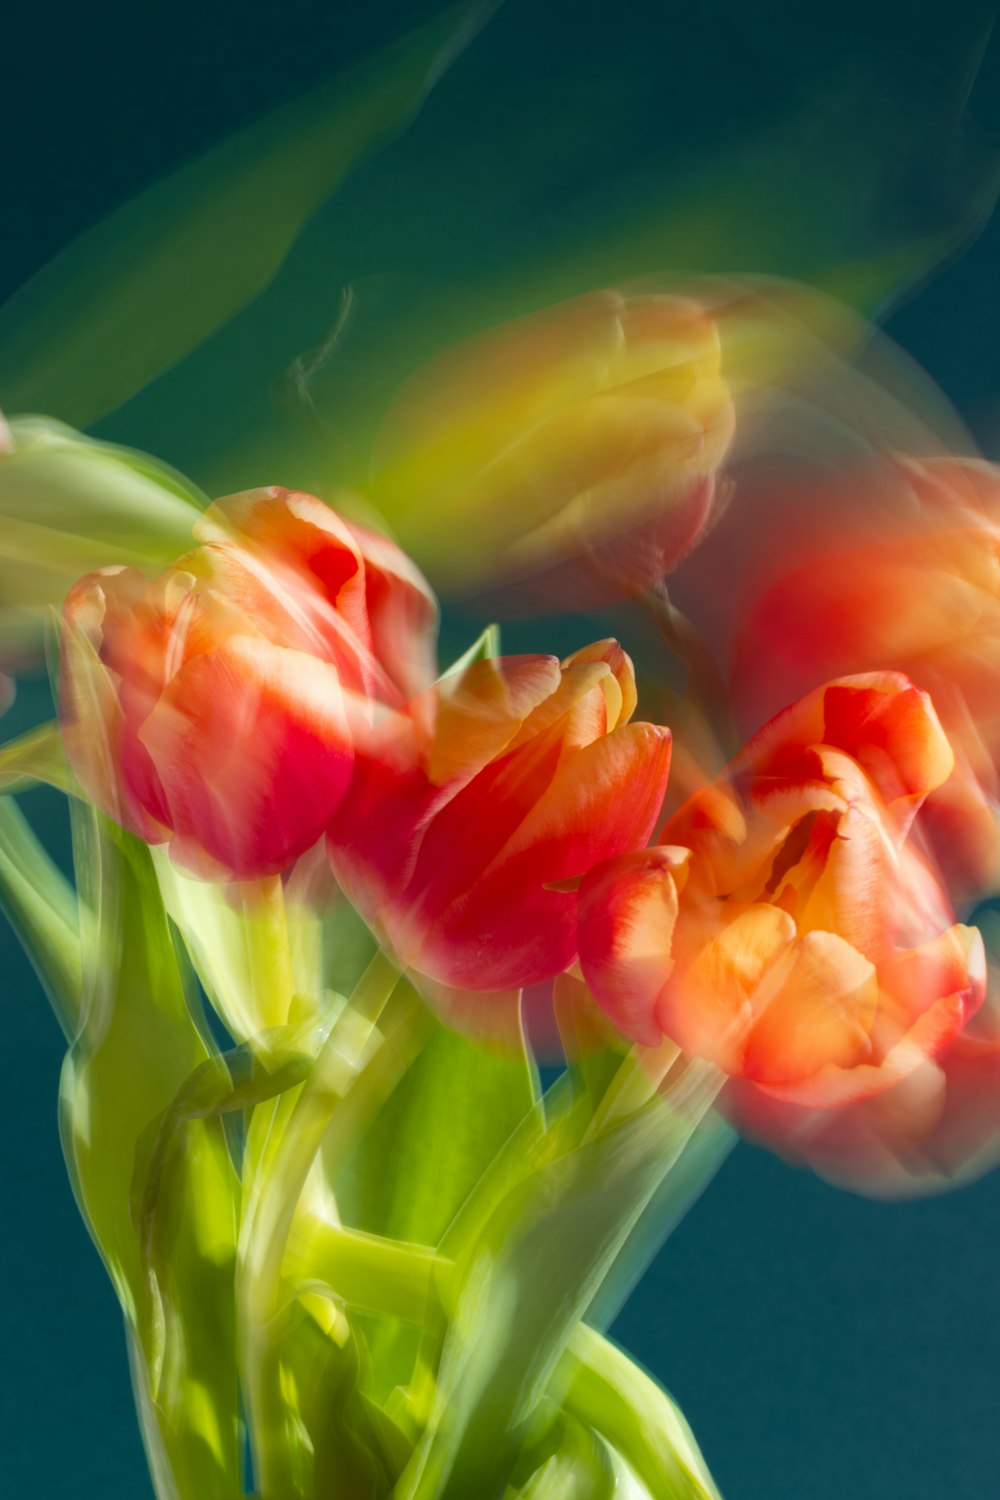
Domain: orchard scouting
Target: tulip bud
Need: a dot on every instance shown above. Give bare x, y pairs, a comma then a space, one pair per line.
216, 707
577, 447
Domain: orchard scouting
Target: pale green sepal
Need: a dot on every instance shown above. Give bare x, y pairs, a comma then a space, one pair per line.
485, 648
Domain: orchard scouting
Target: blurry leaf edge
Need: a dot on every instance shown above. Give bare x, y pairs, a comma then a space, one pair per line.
116, 308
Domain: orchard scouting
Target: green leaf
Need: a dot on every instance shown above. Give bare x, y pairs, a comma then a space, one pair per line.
136, 1045
424, 1155
442, 1127
41, 907
571, 1463
528, 1277
149, 283
223, 1084
353, 1449
69, 505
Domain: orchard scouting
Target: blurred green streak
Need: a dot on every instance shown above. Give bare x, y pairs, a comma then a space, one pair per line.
147, 284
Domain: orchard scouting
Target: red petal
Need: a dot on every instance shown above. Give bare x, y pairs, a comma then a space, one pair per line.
509, 929
253, 749
627, 911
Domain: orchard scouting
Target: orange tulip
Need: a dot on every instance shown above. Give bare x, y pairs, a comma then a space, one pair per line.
472, 813
216, 708
785, 929
576, 448
934, 1129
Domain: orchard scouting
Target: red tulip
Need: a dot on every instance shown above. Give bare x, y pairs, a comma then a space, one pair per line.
785, 929
216, 707
472, 813
900, 570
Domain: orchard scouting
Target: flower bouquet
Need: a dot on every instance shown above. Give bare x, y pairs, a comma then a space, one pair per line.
413, 996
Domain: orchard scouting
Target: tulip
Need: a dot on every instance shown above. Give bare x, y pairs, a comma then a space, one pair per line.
216, 707
472, 814
578, 446
784, 928
904, 575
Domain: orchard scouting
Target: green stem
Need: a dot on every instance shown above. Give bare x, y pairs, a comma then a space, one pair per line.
367, 1272
371, 1045
43, 911
595, 1382
706, 683
528, 1279
610, 1393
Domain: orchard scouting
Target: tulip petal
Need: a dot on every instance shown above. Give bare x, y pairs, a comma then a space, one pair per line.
626, 915
578, 709
479, 712
816, 1006
622, 670
252, 746
723, 953
935, 1126
851, 892
291, 561
892, 731
510, 928
402, 612
93, 725
834, 1086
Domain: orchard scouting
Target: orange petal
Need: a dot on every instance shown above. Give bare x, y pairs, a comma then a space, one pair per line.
723, 953
816, 1006
622, 670
478, 712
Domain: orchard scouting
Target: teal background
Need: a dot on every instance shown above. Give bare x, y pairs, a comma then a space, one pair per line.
822, 1346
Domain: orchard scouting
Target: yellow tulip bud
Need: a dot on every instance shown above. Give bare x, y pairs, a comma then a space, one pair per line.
586, 437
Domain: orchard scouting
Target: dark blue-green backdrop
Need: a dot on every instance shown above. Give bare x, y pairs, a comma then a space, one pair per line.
823, 1347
